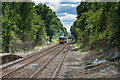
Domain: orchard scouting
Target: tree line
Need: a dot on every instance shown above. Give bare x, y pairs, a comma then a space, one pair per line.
97, 25
26, 21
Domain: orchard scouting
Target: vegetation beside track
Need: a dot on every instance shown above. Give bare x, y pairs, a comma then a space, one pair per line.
97, 25
26, 22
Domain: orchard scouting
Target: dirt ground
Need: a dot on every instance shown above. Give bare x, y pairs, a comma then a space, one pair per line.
74, 66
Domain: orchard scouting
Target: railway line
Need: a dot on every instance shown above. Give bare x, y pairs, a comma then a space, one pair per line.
11, 68
25, 62
4, 67
31, 67
26, 58
52, 66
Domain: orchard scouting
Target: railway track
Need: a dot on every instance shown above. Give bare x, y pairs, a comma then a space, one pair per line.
10, 69
3, 67
43, 62
51, 67
25, 58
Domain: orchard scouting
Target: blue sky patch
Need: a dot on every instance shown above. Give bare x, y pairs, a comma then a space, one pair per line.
65, 10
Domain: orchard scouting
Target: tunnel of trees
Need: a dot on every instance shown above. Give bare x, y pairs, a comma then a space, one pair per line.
97, 25
25, 21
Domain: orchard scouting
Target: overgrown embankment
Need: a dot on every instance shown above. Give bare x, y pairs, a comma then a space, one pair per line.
98, 26
94, 64
26, 23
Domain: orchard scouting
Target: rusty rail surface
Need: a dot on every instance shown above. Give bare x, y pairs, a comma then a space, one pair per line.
20, 60
59, 65
10, 73
46, 63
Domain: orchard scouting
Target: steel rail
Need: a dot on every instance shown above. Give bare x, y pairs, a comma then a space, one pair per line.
44, 65
10, 73
26, 58
59, 65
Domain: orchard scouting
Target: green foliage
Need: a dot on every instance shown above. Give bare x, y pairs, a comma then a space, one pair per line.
8, 26
97, 24
52, 23
22, 22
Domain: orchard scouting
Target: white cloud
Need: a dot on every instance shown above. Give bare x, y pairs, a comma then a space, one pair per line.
66, 19
40, 1
70, 0
68, 16
36, 1
43, 1
54, 5
73, 5
67, 25
55, 1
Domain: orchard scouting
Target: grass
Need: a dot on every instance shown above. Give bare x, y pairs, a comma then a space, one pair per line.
0, 51
79, 51
55, 40
38, 47
106, 58
79, 46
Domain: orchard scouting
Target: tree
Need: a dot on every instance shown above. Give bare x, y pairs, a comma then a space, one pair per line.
97, 24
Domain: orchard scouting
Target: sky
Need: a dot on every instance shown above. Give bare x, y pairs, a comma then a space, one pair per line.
65, 10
